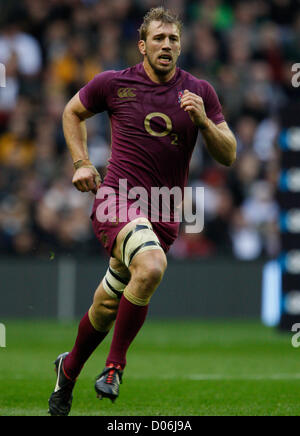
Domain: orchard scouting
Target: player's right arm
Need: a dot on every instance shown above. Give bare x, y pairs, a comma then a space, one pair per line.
86, 177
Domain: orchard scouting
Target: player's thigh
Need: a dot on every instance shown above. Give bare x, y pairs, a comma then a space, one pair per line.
116, 252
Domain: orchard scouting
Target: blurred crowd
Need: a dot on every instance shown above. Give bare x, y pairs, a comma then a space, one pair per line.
51, 48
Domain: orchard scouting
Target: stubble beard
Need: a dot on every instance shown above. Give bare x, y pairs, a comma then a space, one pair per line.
163, 71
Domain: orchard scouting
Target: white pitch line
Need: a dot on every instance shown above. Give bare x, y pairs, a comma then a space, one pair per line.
199, 377
220, 377
244, 377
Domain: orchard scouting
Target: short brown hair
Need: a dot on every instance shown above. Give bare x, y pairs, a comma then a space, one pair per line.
158, 14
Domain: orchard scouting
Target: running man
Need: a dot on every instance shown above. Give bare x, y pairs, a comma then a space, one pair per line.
156, 111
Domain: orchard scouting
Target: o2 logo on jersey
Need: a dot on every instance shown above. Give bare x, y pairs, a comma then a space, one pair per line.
168, 127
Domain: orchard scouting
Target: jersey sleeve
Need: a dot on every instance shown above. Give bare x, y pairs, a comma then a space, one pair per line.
95, 93
212, 104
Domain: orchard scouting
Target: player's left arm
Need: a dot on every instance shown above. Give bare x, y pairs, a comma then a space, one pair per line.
218, 138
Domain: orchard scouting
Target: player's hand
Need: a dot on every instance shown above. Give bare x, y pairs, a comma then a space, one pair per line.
193, 104
87, 179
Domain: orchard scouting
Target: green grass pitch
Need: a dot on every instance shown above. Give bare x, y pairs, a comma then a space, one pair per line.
174, 369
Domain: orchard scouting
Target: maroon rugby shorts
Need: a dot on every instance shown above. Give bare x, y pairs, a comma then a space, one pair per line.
110, 215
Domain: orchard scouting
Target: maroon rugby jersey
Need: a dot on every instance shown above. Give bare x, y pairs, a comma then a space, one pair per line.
152, 137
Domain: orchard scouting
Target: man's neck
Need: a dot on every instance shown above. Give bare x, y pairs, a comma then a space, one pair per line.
157, 78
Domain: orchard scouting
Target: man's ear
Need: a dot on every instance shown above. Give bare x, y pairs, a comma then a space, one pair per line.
142, 47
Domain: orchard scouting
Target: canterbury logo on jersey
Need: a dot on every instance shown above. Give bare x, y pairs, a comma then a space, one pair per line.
126, 92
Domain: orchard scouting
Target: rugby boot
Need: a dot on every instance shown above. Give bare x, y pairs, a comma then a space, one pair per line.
108, 382
60, 401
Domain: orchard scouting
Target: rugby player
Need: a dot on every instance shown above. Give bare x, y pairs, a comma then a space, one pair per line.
156, 111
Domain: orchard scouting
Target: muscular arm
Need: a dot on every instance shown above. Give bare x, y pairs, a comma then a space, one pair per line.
220, 142
74, 127
86, 177
219, 139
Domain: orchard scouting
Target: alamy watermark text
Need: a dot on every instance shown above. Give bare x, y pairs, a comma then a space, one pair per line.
296, 337
158, 204
2, 76
296, 76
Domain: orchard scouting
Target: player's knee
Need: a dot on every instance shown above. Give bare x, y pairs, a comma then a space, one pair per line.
110, 306
106, 307
119, 268
148, 269
115, 280
103, 315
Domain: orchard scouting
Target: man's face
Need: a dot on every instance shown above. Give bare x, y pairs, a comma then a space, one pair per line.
162, 46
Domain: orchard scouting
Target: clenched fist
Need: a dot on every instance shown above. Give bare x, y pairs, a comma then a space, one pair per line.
86, 178
193, 104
